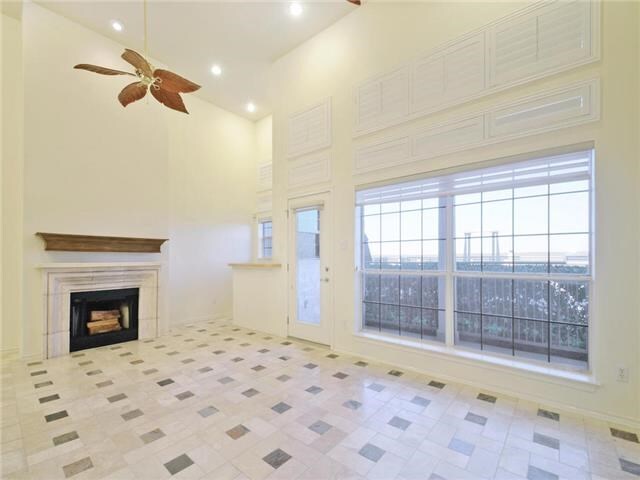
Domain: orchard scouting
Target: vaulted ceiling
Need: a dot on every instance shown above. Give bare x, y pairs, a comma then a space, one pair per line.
243, 38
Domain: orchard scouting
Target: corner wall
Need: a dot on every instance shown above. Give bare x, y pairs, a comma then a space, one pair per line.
93, 167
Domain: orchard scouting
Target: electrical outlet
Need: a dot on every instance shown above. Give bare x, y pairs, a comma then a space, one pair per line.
623, 374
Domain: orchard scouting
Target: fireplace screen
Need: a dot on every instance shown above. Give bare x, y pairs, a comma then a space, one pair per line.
103, 317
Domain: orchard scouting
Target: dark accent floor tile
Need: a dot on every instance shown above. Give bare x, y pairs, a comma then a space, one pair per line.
205, 369
165, 382
461, 446
228, 339
352, 404
207, 411
284, 358
267, 338
420, 401
116, 398
251, 333
371, 452
376, 387
117, 347
190, 340
313, 389
258, 368
310, 366
360, 363
150, 371
106, 383
237, 431
475, 418
49, 398
535, 473
33, 364
171, 354
56, 416
218, 352
395, 373
225, 380
186, 361
400, 423
281, 407
43, 384
126, 354
39, 372
630, 467
285, 343
245, 344
152, 436
277, 458
340, 375
136, 362
130, 415
436, 384
548, 414
251, 392
283, 378
629, 436
157, 347
85, 363
76, 355
320, 427
94, 372
332, 355
435, 476
201, 330
308, 349
65, 437
237, 359
178, 464
184, 395
202, 345
77, 467
263, 350
546, 440
487, 398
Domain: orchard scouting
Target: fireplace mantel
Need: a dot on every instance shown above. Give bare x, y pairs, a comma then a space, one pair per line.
65, 242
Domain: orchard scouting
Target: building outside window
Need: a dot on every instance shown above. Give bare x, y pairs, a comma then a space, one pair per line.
507, 248
265, 238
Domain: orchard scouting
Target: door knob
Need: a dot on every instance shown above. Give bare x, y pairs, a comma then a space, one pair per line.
325, 279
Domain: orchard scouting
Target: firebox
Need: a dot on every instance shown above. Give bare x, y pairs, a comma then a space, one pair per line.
103, 317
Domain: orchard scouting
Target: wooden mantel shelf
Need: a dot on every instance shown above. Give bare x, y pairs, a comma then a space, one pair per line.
92, 243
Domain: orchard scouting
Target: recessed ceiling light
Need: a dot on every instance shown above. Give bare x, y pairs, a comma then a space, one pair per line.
216, 70
295, 9
251, 107
117, 26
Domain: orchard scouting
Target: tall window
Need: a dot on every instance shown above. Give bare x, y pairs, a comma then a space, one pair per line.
508, 248
265, 238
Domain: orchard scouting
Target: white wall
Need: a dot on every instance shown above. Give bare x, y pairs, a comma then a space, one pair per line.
11, 184
379, 36
93, 167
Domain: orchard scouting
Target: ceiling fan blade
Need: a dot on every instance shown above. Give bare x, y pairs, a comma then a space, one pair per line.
173, 82
138, 61
132, 93
172, 100
355, 2
101, 70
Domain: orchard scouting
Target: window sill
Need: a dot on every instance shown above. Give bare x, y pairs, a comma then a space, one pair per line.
563, 376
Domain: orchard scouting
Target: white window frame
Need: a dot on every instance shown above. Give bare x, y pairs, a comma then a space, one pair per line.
450, 273
259, 237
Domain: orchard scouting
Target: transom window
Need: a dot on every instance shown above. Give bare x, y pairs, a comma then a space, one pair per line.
508, 248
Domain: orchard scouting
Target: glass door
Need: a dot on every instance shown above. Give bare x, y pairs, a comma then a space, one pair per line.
309, 270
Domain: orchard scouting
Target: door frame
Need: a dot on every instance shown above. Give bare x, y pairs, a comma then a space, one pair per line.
322, 199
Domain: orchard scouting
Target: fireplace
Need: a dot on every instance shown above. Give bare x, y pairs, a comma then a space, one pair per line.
103, 317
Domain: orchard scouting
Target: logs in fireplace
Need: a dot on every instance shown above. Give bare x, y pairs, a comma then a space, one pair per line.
103, 317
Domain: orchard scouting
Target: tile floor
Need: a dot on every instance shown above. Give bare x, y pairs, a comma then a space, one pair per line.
215, 401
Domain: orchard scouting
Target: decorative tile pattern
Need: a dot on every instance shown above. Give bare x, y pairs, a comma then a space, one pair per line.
344, 418
184, 395
277, 458
371, 452
178, 464
395, 373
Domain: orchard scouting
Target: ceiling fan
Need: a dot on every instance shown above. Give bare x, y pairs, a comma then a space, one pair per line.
165, 86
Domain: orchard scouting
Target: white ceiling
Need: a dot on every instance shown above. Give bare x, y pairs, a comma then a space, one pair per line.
189, 37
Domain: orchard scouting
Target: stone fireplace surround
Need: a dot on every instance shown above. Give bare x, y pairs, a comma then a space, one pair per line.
62, 279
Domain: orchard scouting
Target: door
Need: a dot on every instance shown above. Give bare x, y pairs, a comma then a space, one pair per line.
310, 292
